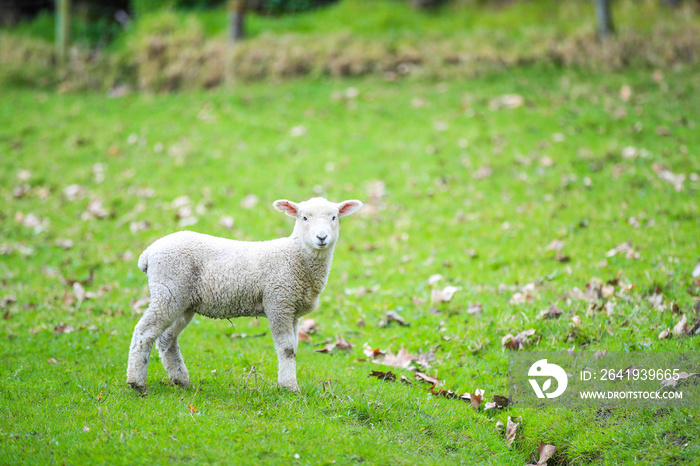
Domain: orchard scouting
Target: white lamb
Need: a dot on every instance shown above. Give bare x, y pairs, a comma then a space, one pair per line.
280, 279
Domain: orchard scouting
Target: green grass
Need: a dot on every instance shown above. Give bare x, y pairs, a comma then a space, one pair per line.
557, 173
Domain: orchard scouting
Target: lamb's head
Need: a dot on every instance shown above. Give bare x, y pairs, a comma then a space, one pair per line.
317, 220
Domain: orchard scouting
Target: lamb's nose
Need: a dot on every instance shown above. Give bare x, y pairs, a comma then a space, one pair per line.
322, 237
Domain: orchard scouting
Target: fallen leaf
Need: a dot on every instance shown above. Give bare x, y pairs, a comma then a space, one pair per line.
424, 359
402, 359
192, 408
245, 335
676, 179
73, 192
511, 428
681, 328
373, 353
517, 342
433, 279
552, 312
625, 93
52, 361
404, 380
576, 321
474, 398
308, 326
474, 308
340, 343
78, 291
443, 393
445, 295
64, 243
545, 452
226, 222
664, 334
501, 401
526, 294
393, 316
509, 101
625, 248
387, 376
555, 245
673, 380
426, 378
696, 271
250, 201
63, 328
95, 209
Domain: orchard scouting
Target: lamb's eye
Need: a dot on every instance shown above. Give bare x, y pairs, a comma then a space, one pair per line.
333, 218
306, 219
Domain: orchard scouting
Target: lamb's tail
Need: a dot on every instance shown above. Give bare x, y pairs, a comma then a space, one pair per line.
143, 261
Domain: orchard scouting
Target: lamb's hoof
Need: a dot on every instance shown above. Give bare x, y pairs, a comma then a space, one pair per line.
138, 387
291, 387
184, 384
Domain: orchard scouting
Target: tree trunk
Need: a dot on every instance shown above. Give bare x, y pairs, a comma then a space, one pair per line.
236, 20
605, 21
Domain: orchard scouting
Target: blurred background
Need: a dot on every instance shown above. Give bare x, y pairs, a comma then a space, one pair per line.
123, 45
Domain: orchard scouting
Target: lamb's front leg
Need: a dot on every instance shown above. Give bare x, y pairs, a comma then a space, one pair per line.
282, 326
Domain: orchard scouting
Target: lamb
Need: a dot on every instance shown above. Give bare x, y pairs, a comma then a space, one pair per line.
191, 273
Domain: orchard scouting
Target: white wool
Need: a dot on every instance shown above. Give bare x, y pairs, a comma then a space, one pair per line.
192, 273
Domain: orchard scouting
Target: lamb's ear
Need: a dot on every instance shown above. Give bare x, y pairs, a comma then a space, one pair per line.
348, 207
288, 207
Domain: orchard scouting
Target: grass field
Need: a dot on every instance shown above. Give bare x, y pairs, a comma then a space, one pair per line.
458, 180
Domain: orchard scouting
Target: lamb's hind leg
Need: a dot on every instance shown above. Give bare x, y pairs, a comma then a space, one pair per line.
169, 351
159, 316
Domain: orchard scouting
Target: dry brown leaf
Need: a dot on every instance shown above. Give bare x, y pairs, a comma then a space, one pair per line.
576, 321
696, 271
511, 428
375, 353
664, 334
192, 408
625, 93
544, 451
509, 101
387, 376
250, 201
474, 308
501, 401
517, 342
227, 222
681, 328
402, 359
308, 326
625, 248
424, 359
63, 328
474, 398
426, 378
393, 316
78, 291
671, 382
245, 335
555, 245
552, 312
64, 243
444, 295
